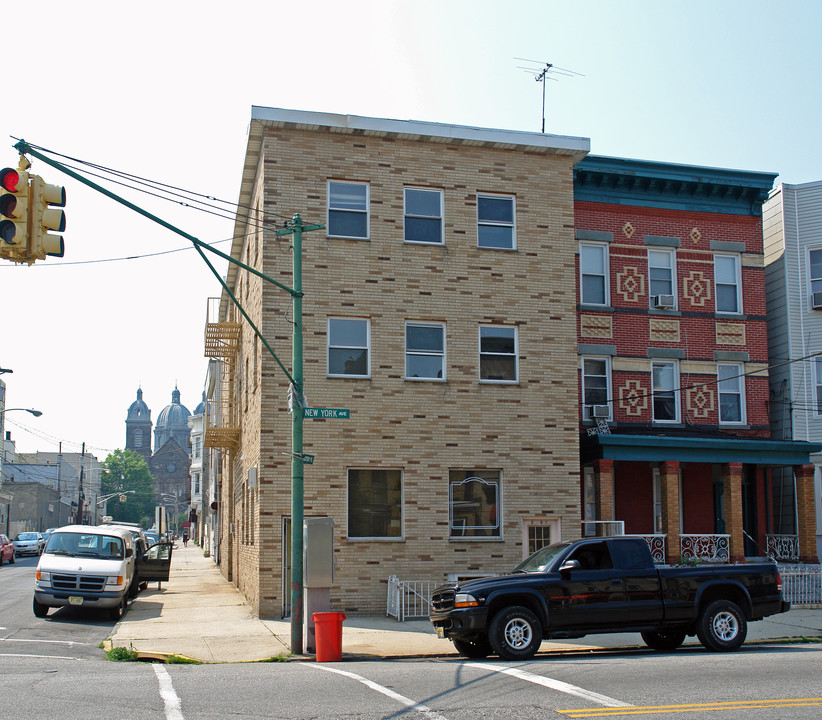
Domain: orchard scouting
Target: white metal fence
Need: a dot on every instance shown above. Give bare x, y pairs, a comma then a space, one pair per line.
802, 585
409, 598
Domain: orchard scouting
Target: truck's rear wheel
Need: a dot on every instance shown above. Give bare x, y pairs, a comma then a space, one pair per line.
476, 648
722, 626
664, 639
515, 633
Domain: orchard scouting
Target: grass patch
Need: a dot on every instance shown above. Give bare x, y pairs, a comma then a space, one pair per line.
282, 657
180, 660
122, 654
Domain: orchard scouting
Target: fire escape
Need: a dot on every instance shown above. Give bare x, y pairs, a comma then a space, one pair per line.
222, 409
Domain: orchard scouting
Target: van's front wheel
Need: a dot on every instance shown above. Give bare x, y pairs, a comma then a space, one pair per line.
40, 610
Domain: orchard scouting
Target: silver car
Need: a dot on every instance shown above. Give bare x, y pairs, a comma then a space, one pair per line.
28, 543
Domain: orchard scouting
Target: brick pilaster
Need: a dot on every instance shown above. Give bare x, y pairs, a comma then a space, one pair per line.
806, 513
669, 485
732, 480
604, 483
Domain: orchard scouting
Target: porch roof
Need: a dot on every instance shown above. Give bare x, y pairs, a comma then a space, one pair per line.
657, 448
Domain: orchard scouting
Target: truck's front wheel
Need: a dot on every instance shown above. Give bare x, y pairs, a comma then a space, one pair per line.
722, 626
515, 633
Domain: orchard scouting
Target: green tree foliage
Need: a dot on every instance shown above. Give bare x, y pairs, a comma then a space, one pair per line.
126, 470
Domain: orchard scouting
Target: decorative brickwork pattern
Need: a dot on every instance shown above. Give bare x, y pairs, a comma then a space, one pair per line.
699, 401
633, 397
664, 330
596, 326
631, 284
730, 333
628, 230
696, 288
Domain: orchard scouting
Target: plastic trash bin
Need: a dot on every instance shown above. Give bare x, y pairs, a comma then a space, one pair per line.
328, 635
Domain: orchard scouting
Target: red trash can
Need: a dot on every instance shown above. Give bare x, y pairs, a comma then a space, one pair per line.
328, 635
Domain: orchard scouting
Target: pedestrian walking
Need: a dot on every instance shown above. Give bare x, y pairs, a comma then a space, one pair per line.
185, 538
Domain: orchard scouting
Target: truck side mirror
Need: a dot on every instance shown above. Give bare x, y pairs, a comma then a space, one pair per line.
129, 552
568, 566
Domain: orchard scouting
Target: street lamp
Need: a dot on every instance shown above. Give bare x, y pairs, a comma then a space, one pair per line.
36, 413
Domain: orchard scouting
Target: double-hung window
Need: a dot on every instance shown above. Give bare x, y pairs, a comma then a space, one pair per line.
665, 379
662, 277
495, 222
728, 283
423, 216
374, 504
347, 209
474, 503
498, 353
596, 382
731, 385
424, 351
818, 384
349, 347
815, 263
593, 273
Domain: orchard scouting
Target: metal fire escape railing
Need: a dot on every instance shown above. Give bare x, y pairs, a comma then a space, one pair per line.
222, 412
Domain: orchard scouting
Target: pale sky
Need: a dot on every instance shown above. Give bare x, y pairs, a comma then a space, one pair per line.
164, 90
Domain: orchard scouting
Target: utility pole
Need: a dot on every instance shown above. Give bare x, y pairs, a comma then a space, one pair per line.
297, 463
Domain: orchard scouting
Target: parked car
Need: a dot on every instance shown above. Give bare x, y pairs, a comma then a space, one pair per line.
28, 543
605, 585
6, 550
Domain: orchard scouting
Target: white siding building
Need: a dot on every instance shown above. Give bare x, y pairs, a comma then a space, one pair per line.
792, 220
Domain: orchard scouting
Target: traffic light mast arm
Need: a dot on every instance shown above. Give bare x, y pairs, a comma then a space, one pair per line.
25, 149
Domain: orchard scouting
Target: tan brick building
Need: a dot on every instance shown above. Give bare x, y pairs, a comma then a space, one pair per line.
440, 309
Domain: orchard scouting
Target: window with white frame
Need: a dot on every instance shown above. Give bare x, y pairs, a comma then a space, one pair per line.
661, 274
349, 347
374, 504
495, 222
731, 386
197, 445
424, 351
815, 270
197, 483
728, 283
596, 386
347, 209
423, 216
498, 353
593, 273
474, 503
665, 379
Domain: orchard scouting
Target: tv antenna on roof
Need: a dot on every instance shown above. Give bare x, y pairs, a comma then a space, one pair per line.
546, 73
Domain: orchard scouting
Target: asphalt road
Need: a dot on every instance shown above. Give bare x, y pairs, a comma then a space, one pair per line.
67, 632
758, 682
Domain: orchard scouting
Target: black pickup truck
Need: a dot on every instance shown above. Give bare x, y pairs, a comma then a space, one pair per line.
605, 585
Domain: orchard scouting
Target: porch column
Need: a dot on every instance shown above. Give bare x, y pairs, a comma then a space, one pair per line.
669, 495
806, 513
604, 488
732, 480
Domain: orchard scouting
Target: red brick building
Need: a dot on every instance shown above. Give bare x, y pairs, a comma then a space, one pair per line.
672, 340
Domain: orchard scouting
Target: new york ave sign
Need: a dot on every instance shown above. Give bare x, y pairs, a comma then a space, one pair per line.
326, 413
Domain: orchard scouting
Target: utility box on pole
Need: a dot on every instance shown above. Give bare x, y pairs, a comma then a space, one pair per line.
318, 571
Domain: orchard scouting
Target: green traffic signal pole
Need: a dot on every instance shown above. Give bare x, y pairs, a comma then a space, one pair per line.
296, 228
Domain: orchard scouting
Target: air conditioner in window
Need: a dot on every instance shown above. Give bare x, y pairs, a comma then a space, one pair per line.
816, 300
664, 301
600, 411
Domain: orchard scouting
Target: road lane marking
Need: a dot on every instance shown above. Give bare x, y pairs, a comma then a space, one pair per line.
170, 697
553, 684
55, 642
701, 707
410, 704
50, 657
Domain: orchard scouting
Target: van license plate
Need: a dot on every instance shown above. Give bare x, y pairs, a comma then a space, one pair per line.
75, 600
441, 633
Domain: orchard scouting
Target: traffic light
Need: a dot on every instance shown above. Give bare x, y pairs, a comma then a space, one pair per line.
14, 212
45, 201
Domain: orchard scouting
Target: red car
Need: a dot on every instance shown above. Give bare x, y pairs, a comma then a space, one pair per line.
6, 550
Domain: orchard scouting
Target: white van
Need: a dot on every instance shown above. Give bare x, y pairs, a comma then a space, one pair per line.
85, 566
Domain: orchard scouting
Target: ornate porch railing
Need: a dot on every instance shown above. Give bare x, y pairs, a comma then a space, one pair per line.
714, 548
782, 547
802, 585
656, 544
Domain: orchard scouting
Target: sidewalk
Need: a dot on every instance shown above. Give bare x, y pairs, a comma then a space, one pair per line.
200, 615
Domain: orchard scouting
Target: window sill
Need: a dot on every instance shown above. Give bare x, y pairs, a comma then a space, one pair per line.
587, 307
375, 539
478, 538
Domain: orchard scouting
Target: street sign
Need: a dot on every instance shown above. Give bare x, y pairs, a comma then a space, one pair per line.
308, 459
326, 413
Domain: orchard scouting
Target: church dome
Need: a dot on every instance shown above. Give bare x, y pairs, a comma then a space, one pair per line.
201, 408
172, 423
138, 409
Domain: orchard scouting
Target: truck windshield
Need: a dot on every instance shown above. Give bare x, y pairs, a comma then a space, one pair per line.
76, 544
541, 559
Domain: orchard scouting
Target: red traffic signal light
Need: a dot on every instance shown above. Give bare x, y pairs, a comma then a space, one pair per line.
14, 212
